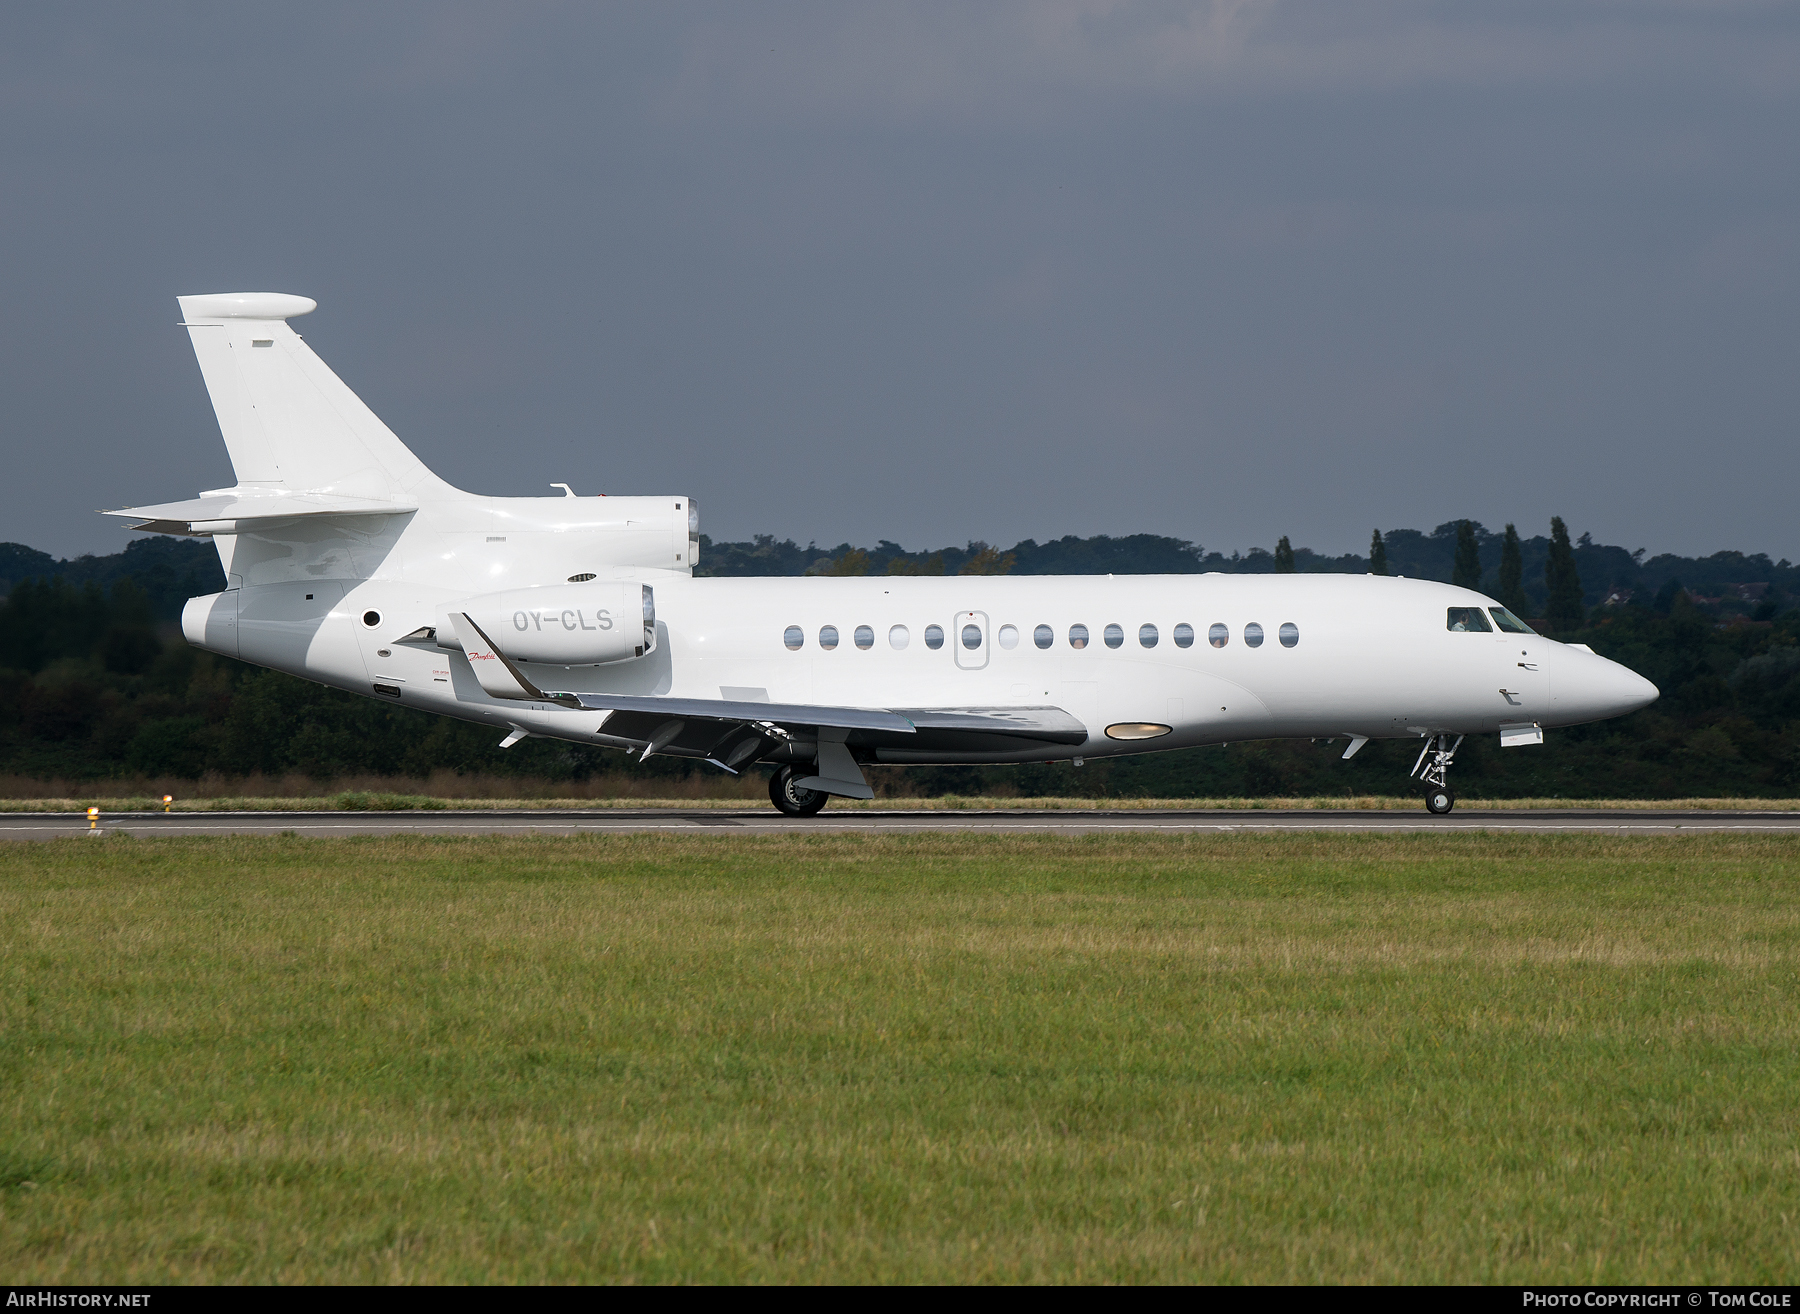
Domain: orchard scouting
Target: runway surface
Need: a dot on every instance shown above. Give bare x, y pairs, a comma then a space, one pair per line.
44, 826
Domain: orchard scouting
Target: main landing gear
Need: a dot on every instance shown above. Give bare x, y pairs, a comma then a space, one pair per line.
790, 799
1433, 767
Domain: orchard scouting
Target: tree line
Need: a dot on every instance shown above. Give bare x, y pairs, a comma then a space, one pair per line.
95, 681
1542, 577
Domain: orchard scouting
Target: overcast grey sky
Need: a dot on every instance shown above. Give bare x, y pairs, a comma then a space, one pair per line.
933, 272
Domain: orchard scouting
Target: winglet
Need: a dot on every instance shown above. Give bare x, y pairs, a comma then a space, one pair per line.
495, 671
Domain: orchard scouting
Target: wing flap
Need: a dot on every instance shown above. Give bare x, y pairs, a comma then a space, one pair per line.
1050, 725
918, 732
782, 714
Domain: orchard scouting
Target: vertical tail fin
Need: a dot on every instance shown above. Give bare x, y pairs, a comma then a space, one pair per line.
287, 420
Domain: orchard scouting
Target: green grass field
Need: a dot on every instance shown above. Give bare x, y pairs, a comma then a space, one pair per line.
1456, 1058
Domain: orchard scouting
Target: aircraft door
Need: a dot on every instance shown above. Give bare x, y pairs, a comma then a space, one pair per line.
969, 636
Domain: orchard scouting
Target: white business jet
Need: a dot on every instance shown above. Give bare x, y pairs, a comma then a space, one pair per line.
579, 618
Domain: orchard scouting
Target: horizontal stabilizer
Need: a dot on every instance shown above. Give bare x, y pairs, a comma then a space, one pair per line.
240, 510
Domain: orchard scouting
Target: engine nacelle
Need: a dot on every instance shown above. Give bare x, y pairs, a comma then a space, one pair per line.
563, 625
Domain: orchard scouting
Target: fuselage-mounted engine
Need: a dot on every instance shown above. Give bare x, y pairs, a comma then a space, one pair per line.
593, 624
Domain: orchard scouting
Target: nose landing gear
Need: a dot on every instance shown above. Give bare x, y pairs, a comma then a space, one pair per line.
790, 799
1433, 767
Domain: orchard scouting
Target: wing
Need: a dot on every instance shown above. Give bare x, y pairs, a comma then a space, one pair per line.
633, 711
734, 733
956, 727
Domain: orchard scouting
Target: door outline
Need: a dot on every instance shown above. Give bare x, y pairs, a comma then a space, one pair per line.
971, 659
1525, 684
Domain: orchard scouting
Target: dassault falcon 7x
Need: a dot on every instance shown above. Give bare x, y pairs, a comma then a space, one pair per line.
579, 618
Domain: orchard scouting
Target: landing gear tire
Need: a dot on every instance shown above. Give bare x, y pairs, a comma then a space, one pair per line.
1438, 802
789, 799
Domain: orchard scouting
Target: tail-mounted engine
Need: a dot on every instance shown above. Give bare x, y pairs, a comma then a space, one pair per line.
591, 624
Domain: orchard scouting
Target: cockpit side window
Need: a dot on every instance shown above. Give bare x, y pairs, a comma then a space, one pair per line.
1509, 623
1467, 620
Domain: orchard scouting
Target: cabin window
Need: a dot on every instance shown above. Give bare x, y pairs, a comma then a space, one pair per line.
1467, 620
1509, 623
1253, 635
1115, 636
865, 637
1078, 636
1008, 636
1184, 635
899, 637
1043, 636
828, 637
971, 637
934, 637
1147, 635
1290, 634
1218, 635
795, 638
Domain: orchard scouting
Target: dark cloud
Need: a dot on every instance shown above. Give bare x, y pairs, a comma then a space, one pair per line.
937, 272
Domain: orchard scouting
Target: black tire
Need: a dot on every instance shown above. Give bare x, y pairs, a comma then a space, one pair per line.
790, 800
1438, 802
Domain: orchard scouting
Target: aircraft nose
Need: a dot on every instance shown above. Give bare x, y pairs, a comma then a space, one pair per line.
1591, 687
1634, 690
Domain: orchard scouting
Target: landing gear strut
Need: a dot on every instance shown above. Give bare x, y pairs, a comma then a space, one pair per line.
1433, 767
791, 800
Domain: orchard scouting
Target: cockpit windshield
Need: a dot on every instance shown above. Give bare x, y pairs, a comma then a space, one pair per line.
1509, 623
1467, 620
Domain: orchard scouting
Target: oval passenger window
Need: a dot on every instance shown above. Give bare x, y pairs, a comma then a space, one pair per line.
1290, 634
795, 637
934, 637
1253, 635
971, 637
899, 637
1009, 637
865, 637
1147, 635
1078, 636
1184, 635
1114, 636
1043, 636
1218, 635
828, 637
